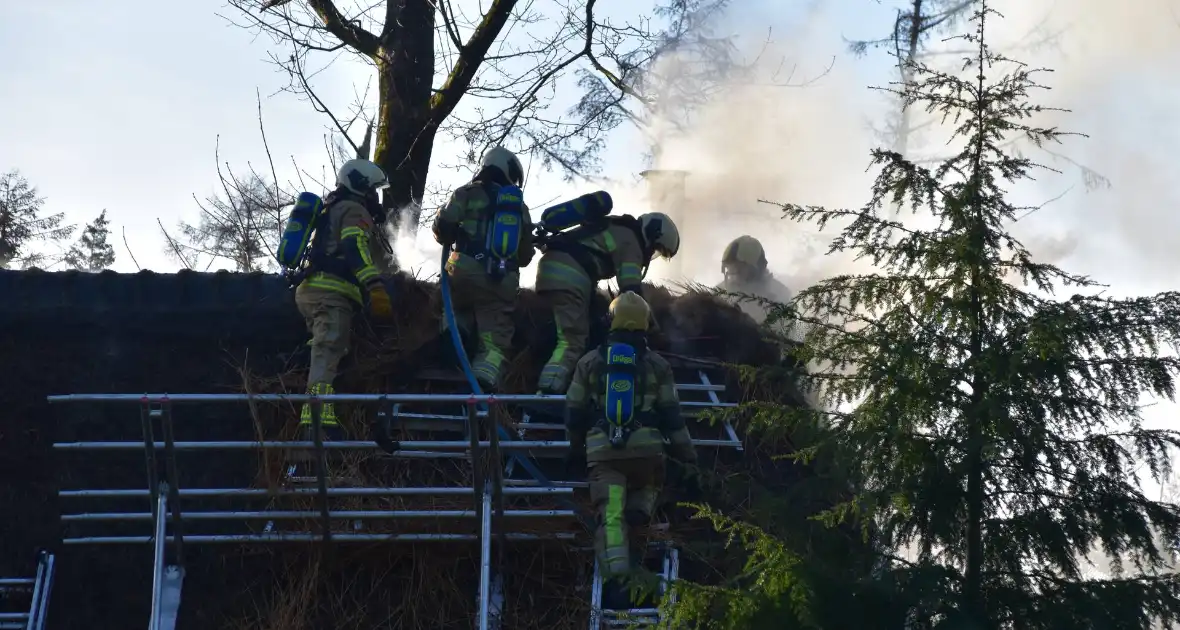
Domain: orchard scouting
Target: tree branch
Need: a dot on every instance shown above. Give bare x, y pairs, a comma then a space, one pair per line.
129, 252
471, 55
349, 33
610, 76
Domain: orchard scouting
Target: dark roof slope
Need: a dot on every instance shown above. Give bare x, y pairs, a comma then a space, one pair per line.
81, 297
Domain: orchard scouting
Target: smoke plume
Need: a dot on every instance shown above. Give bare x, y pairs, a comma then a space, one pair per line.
763, 140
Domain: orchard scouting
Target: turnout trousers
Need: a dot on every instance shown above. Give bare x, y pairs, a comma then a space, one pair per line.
328, 316
567, 290
483, 310
625, 492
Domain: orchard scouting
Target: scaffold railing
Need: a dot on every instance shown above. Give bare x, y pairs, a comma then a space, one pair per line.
165, 493
169, 506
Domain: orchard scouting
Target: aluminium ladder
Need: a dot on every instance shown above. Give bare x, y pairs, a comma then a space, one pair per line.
37, 589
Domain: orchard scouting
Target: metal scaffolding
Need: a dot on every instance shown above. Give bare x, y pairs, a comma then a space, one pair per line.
37, 589
169, 506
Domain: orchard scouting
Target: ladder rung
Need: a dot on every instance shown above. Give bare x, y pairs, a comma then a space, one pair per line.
438, 416
634, 612
539, 426
699, 387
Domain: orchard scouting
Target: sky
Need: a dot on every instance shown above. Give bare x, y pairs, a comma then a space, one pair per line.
113, 110
122, 113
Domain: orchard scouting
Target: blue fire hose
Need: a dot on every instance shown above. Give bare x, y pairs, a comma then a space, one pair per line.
457, 341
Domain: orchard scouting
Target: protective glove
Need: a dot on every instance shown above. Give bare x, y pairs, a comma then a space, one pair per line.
380, 305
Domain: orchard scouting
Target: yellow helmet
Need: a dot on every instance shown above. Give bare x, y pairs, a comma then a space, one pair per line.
629, 311
744, 250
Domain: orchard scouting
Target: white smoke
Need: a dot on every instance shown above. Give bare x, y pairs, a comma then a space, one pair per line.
764, 141
416, 252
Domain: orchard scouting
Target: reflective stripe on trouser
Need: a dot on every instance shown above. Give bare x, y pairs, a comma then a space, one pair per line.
618, 487
327, 410
571, 317
487, 364
487, 307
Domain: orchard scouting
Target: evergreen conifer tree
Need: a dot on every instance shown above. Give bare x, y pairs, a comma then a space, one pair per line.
22, 222
995, 428
991, 426
93, 251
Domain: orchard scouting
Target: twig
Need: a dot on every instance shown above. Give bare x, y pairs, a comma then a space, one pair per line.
128, 248
266, 145
184, 261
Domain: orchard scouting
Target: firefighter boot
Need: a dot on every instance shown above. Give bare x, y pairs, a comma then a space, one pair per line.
328, 419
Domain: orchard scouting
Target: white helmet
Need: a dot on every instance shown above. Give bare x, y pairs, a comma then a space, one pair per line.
361, 177
506, 162
659, 234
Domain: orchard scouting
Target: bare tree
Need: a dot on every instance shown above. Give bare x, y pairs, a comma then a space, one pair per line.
93, 251
508, 83
241, 224
22, 222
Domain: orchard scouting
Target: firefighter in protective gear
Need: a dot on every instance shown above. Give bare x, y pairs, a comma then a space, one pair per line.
484, 295
622, 405
341, 276
572, 265
744, 265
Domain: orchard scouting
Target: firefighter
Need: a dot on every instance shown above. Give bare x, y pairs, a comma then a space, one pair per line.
744, 265
575, 261
340, 277
489, 226
622, 404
